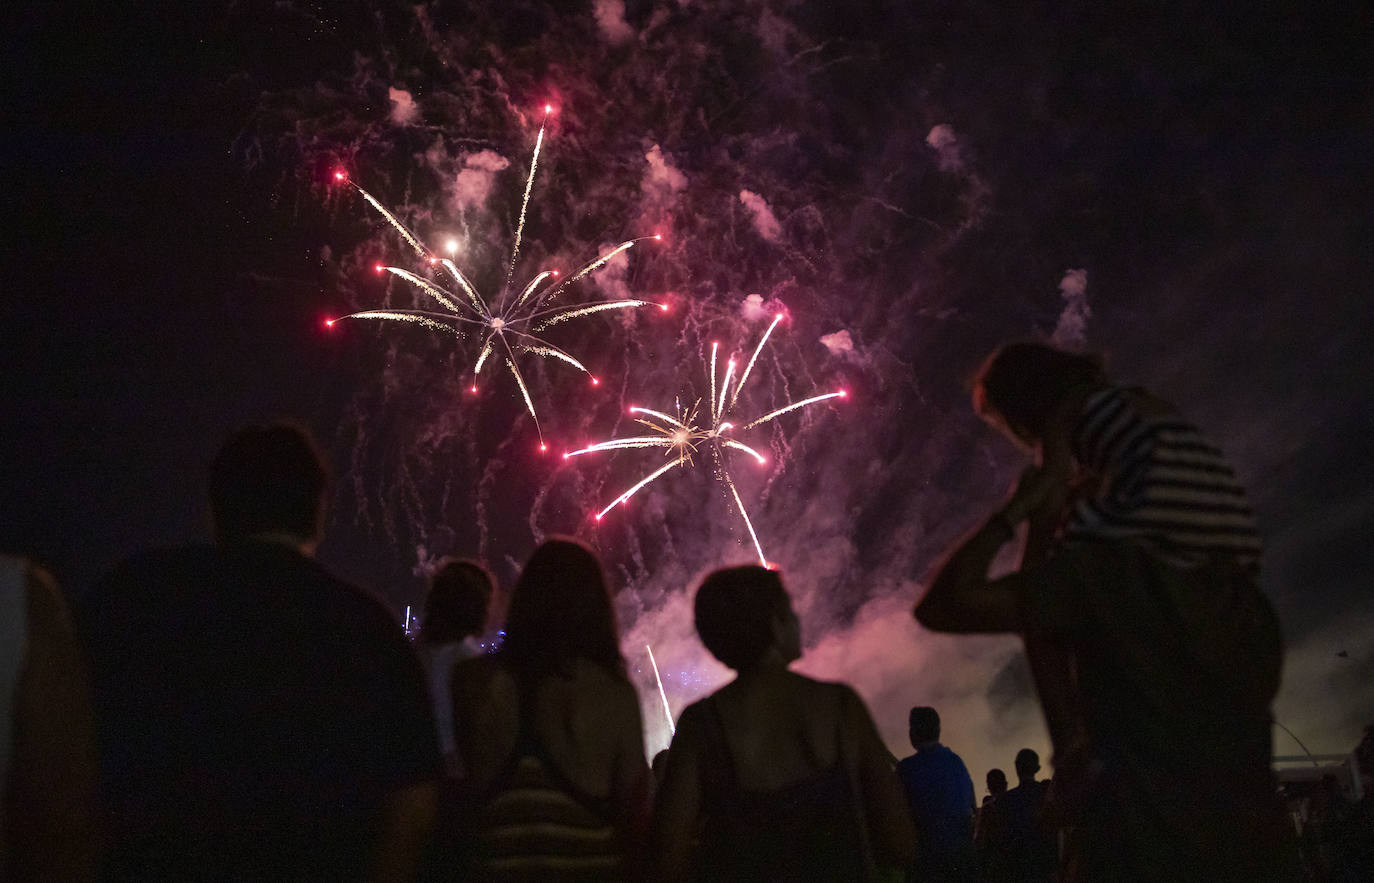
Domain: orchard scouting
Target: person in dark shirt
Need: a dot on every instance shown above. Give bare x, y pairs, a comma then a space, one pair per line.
258, 718
1025, 837
940, 793
988, 830
784, 777
1154, 652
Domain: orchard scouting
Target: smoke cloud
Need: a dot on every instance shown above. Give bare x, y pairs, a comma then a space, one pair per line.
404, 110
753, 308
610, 20
765, 222
474, 181
945, 143
838, 343
1072, 329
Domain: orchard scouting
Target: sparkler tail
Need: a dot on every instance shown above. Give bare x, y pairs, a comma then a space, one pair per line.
739, 504
397, 316
635, 489
682, 436
512, 324
792, 407
667, 712
579, 312
525, 203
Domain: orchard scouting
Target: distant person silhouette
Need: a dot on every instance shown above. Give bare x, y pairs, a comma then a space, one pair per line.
997, 784
258, 718
784, 776
549, 730
988, 831
1154, 652
455, 615
940, 793
48, 825
1026, 836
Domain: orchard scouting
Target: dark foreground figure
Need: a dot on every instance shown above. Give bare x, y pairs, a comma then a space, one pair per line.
785, 777
1154, 652
48, 828
550, 734
258, 719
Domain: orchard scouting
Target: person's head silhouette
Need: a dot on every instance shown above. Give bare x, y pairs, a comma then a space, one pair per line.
744, 617
269, 483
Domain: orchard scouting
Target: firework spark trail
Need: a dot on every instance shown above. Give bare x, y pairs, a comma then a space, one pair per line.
714, 346
632, 491
588, 310
682, 437
763, 559
672, 728
755, 357
434, 292
794, 406
525, 203
402, 317
552, 352
534, 283
523, 318
635, 409
729, 370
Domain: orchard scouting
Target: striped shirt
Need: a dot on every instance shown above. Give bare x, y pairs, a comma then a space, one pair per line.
537, 828
1160, 482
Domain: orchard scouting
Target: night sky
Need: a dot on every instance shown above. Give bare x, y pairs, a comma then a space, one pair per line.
1185, 188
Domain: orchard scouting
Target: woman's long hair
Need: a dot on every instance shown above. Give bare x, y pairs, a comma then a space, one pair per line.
561, 611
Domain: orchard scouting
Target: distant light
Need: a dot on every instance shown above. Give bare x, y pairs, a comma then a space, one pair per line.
329, 323
451, 246
548, 108
658, 236
340, 176
596, 381
543, 447
378, 267
472, 388
844, 393
554, 272
567, 454
597, 516
663, 307
433, 260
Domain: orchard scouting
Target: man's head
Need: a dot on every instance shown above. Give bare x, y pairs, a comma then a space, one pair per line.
923, 726
1027, 765
1021, 384
997, 782
268, 481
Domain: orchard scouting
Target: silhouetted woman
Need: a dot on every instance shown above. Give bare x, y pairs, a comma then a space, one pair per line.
784, 776
550, 731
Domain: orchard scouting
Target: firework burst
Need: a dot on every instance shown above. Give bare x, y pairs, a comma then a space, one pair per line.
510, 324
692, 431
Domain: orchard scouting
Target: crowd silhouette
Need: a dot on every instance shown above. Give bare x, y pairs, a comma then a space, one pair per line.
234, 711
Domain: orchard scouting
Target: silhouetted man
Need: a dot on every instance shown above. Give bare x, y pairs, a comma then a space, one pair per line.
989, 832
940, 793
1026, 839
1154, 653
257, 717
